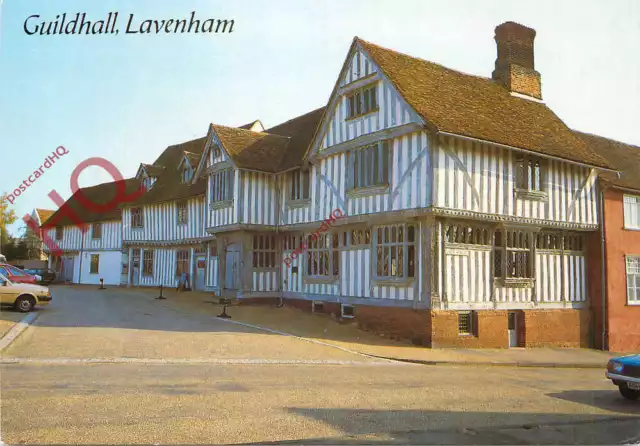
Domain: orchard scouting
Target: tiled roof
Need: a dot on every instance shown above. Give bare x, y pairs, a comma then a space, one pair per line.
257, 123
301, 131
478, 107
154, 171
623, 157
44, 214
169, 186
194, 158
276, 149
100, 194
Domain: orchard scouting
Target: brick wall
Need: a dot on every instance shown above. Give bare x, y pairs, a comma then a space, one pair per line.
404, 324
558, 328
491, 331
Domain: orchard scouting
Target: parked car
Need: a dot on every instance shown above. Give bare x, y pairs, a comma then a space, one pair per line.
624, 371
46, 276
23, 296
16, 275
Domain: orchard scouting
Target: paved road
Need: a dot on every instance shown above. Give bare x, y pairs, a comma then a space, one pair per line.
51, 393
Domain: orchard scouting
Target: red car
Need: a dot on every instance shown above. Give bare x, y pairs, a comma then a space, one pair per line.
16, 275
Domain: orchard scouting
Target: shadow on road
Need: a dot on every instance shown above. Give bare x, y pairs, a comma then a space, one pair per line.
602, 399
483, 428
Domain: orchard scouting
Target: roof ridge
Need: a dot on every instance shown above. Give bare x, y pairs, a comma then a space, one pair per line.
366, 42
251, 131
605, 137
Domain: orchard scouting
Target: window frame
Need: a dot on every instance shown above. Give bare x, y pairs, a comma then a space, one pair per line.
362, 101
408, 253
93, 231
636, 275
323, 246
59, 233
97, 264
508, 251
628, 207
137, 218
182, 212
472, 323
147, 263
221, 184
300, 185
367, 169
264, 252
182, 264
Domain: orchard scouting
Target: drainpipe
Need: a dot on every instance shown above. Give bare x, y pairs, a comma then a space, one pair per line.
278, 216
83, 234
603, 291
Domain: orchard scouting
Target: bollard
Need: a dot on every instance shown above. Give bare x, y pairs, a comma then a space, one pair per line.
102, 284
160, 296
224, 314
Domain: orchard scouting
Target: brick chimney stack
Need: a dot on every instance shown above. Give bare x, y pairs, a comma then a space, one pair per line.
514, 65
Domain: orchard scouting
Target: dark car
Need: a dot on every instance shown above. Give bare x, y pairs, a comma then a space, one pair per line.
624, 371
46, 275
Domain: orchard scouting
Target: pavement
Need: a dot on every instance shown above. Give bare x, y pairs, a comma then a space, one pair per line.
8, 319
323, 328
120, 367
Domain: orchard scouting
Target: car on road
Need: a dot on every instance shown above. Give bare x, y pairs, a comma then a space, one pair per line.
16, 275
624, 371
43, 276
23, 297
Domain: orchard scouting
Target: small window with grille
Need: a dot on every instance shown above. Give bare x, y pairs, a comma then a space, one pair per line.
466, 323
512, 254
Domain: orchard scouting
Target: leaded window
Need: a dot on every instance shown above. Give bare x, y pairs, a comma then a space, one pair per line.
95, 264
362, 101
394, 248
323, 255
529, 173
221, 184
465, 234
96, 231
370, 165
512, 254
137, 220
59, 232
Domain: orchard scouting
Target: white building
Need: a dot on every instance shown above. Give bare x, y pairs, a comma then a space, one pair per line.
433, 205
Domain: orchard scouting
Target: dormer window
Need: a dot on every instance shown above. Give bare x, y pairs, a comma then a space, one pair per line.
215, 151
299, 185
187, 174
362, 101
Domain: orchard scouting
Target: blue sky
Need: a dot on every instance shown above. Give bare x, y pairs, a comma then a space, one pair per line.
127, 97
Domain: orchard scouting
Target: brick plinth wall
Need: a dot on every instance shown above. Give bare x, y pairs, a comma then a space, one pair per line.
439, 328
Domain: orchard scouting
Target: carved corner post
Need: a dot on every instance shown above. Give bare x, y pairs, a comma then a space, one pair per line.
438, 270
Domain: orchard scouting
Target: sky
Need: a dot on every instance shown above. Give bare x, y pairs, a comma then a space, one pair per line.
127, 97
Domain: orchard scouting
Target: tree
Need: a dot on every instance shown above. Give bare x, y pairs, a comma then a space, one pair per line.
7, 217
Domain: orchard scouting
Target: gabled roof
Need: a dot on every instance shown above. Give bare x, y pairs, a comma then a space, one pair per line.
477, 107
44, 214
624, 157
193, 158
152, 170
301, 131
252, 150
100, 194
169, 186
255, 126
279, 148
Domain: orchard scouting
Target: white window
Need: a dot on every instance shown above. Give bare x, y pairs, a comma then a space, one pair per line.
512, 254
362, 101
395, 251
632, 212
299, 185
530, 173
222, 185
633, 280
370, 165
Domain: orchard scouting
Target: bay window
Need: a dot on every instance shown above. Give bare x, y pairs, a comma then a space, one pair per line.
394, 251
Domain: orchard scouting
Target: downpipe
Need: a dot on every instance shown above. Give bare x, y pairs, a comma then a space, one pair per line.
603, 280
